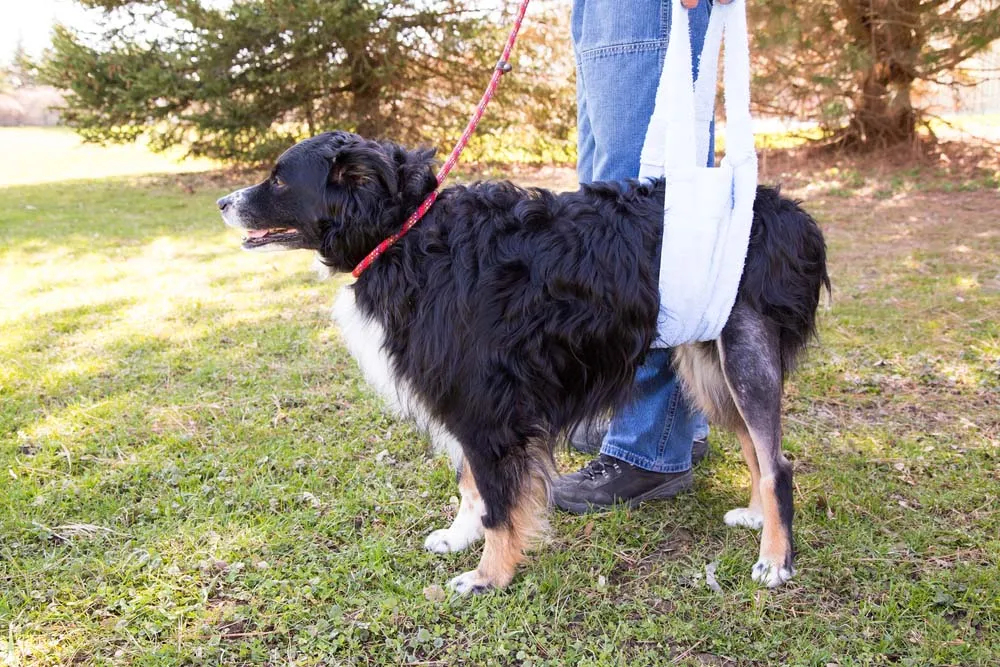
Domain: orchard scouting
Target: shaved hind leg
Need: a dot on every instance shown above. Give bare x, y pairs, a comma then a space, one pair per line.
751, 362
700, 368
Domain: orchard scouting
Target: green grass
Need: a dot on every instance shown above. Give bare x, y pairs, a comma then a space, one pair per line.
191, 474
48, 155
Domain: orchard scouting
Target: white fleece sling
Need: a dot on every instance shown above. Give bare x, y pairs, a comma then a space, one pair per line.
707, 211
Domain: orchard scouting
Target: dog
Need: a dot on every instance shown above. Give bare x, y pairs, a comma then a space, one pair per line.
508, 315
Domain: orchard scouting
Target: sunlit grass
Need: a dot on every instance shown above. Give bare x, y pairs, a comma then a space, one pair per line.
192, 474
981, 125
49, 155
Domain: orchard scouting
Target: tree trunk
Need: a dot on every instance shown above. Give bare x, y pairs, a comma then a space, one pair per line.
888, 33
365, 97
883, 115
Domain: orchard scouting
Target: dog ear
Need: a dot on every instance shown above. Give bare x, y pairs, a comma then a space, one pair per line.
351, 166
361, 161
417, 172
425, 155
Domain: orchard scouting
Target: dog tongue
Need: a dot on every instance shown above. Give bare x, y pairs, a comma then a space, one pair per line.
256, 233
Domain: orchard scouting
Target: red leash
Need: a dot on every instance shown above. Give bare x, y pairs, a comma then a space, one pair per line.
502, 68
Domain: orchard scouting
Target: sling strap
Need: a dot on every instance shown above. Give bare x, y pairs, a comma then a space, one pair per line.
708, 211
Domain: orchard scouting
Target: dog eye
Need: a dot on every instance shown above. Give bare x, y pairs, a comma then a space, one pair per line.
277, 182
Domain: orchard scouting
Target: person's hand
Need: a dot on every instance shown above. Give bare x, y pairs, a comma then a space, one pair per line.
691, 4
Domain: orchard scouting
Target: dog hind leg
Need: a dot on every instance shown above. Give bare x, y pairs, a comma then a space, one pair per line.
700, 368
751, 516
751, 361
467, 528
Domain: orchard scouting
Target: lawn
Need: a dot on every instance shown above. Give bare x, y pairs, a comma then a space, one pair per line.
47, 155
195, 473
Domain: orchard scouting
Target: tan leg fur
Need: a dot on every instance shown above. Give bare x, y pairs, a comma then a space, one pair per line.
506, 545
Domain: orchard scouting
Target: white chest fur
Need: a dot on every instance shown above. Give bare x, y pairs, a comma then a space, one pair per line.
365, 340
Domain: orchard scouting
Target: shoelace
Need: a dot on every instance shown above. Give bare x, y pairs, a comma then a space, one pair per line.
599, 466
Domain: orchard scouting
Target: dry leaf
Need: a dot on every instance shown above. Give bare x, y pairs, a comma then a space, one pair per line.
435, 593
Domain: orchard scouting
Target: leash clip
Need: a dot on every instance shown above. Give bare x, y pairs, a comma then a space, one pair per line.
504, 66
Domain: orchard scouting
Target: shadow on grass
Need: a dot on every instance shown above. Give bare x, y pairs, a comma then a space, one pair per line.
111, 214
198, 474
94, 335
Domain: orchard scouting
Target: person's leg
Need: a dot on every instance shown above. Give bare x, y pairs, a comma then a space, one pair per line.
654, 430
619, 49
584, 134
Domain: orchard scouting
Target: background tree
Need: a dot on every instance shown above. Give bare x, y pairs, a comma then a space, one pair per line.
21, 72
242, 82
855, 65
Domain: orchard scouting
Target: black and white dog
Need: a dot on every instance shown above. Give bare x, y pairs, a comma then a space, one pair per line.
508, 315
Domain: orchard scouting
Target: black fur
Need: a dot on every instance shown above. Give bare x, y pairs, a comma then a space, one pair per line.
785, 270
514, 313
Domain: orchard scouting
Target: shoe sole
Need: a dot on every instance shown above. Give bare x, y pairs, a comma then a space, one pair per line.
668, 489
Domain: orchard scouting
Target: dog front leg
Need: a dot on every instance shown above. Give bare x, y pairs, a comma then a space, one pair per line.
509, 531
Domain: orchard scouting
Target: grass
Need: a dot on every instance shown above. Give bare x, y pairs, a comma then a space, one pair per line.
48, 155
195, 473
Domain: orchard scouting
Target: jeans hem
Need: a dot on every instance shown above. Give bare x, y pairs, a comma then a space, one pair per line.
645, 463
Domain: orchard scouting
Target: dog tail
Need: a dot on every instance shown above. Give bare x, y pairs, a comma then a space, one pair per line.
785, 271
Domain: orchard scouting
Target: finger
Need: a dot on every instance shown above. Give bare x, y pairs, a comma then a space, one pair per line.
689, 4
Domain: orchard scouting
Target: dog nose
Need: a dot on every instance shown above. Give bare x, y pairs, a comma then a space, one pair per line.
223, 203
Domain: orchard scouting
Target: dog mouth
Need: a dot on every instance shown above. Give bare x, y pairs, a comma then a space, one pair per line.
258, 238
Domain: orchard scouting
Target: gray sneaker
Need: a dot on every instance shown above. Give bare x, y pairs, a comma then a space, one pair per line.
607, 481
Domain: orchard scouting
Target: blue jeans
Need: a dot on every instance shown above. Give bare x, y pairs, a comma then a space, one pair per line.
619, 48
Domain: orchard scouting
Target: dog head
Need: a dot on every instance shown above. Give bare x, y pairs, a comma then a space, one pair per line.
336, 193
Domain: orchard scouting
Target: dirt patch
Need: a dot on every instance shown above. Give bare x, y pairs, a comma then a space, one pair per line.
940, 165
959, 226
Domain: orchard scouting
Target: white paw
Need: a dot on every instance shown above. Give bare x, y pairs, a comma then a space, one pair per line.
448, 540
771, 575
469, 582
745, 517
